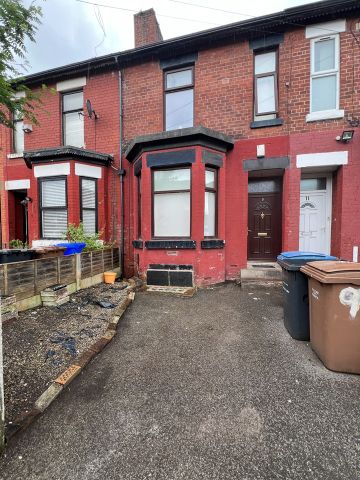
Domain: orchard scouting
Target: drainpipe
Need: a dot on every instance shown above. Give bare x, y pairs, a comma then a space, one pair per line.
121, 173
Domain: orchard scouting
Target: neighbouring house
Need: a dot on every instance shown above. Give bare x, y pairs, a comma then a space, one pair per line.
204, 151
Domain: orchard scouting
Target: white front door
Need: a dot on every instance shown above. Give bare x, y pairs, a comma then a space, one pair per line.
315, 216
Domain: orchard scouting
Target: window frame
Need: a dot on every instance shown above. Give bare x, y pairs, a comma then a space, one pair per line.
63, 123
178, 89
41, 208
95, 180
325, 73
13, 146
274, 74
153, 193
216, 191
139, 212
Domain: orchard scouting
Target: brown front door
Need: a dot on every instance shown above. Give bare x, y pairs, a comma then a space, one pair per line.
264, 226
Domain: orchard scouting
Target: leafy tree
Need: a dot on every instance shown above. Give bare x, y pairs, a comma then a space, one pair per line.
17, 24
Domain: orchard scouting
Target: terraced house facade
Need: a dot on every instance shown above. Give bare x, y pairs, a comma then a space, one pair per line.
199, 153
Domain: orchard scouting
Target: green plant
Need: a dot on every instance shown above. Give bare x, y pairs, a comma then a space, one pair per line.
76, 233
16, 243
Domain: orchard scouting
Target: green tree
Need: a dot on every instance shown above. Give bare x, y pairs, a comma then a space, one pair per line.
17, 25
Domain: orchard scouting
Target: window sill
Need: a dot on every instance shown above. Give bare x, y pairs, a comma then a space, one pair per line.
212, 243
273, 122
325, 115
138, 244
15, 155
170, 245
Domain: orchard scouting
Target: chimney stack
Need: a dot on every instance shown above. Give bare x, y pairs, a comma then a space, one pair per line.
146, 28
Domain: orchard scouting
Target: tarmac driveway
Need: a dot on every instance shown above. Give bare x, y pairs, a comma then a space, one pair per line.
209, 387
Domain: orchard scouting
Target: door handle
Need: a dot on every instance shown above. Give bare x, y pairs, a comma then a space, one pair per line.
262, 234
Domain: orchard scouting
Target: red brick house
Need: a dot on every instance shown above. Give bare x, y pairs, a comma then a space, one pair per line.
236, 143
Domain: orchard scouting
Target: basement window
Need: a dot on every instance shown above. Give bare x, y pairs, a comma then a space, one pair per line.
73, 119
88, 193
171, 203
179, 98
53, 207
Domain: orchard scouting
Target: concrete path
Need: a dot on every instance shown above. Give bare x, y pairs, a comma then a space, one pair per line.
210, 387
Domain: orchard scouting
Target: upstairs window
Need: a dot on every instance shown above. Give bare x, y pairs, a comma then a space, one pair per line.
179, 98
325, 74
88, 196
73, 119
265, 85
53, 207
18, 134
171, 202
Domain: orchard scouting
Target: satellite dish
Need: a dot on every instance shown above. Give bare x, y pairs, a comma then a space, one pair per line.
90, 110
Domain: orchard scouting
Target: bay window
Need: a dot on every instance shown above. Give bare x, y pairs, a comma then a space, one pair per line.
265, 85
210, 210
171, 203
73, 119
53, 207
325, 74
88, 196
179, 98
139, 204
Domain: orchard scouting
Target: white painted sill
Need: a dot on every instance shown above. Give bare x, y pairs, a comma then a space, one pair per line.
325, 115
15, 155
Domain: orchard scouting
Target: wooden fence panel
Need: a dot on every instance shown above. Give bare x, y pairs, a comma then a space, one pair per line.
21, 279
67, 269
97, 262
116, 260
85, 264
108, 264
47, 273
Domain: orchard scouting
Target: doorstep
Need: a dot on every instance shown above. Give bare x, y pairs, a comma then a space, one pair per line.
261, 271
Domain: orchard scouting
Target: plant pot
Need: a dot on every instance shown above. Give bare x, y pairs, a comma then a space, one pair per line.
109, 277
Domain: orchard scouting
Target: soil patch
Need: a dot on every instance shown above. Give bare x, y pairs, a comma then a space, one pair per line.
44, 341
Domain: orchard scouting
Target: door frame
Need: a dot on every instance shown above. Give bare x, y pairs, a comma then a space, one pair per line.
328, 203
259, 194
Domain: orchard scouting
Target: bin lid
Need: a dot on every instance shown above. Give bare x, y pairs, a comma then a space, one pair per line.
294, 260
333, 272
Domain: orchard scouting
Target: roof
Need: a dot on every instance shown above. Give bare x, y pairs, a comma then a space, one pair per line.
179, 138
300, 16
60, 154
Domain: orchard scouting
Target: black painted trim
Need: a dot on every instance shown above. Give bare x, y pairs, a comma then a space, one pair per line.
273, 122
46, 155
166, 159
170, 245
138, 244
212, 244
181, 61
170, 266
267, 163
212, 158
266, 41
185, 137
137, 167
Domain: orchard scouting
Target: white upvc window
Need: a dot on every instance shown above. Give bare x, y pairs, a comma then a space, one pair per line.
325, 78
172, 203
73, 119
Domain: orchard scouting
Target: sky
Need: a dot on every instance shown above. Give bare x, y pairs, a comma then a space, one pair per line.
74, 30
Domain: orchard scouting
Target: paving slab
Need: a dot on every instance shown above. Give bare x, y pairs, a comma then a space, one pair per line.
208, 387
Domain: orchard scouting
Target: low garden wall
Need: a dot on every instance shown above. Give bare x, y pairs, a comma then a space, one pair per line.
27, 279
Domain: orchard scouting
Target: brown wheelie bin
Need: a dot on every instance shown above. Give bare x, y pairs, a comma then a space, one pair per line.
334, 301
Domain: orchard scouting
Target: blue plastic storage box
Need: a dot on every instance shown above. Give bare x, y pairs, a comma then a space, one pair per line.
72, 247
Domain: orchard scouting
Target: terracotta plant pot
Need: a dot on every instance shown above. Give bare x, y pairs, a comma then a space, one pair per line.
109, 277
